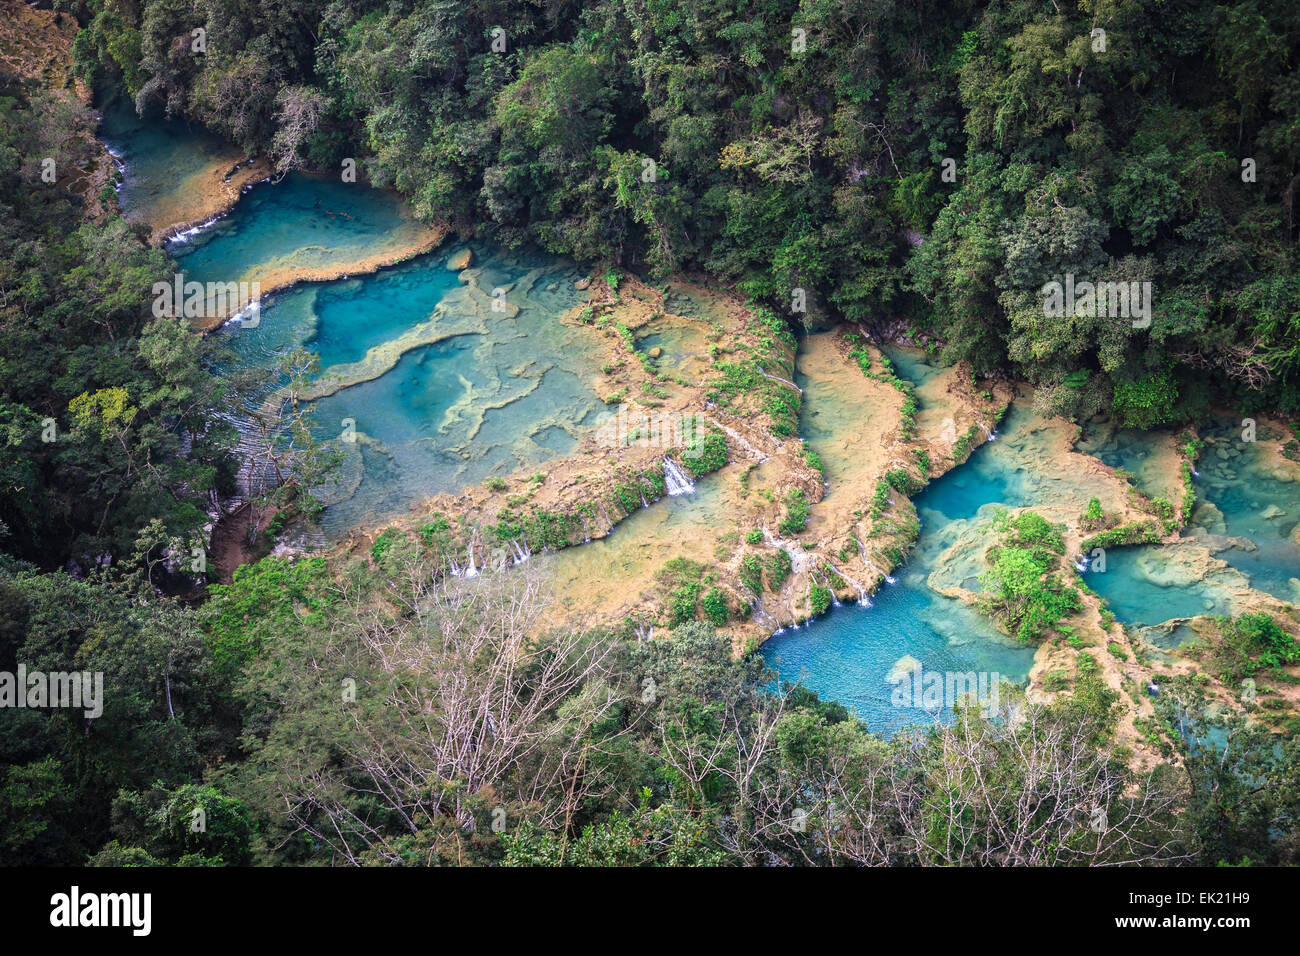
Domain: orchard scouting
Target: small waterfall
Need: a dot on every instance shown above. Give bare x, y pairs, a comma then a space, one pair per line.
862, 592
821, 579
522, 554
760, 614
470, 569
889, 578
676, 480
644, 503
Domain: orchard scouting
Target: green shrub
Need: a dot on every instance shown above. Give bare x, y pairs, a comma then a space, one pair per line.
751, 573
387, 538
1024, 591
902, 480
435, 530
1093, 516
1147, 401
1247, 645
796, 512
814, 460
779, 567
712, 455
715, 607
1137, 532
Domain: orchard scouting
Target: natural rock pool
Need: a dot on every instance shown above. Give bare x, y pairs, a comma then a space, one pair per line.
441, 390
849, 654
449, 376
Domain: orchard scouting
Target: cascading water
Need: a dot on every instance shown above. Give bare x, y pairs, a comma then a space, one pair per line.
848, 654
676, 480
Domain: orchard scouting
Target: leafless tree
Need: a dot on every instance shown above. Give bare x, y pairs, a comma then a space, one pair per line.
474, 704
298, 111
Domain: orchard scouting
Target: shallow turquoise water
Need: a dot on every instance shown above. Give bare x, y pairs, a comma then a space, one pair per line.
1139, 601
303, 222
158, 156
912, 364
482, 390
848, 654
1129, 450
498, 394
1256, 505
358, 314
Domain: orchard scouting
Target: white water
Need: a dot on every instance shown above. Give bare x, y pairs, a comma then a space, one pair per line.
676, 480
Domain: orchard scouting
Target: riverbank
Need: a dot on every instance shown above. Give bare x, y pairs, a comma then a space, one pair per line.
308, 228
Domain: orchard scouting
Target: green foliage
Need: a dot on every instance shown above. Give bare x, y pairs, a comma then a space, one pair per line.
796, 512
163, 708
751, 573
634, 490
712, 454
539, 528
432, 531
814, 460
382, 543
262, 600
716, 609
902, 480
1137, 532
1024, 590
1245, 646
819, 599
1093, 517
1030, 530
683, 580
779, 567
961, 448
663, 836
879, 499
1146, 402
